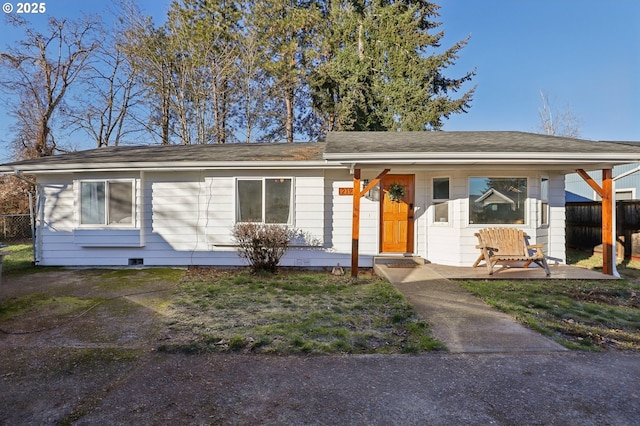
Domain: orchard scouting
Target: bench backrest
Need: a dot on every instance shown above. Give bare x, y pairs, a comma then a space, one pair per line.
507, 241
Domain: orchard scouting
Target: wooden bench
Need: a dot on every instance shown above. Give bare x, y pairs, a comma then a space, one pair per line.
504, 245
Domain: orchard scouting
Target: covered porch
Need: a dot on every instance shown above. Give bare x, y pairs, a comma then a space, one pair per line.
530, 166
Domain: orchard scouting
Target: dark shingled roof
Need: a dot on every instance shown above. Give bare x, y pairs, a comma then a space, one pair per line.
443, 141
349, 147
186, 153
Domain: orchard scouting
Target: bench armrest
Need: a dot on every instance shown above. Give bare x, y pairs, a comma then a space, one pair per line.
485, 246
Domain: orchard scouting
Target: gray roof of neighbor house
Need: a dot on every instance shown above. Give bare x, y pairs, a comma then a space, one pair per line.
488, 149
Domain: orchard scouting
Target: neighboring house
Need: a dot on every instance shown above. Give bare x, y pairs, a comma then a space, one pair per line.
177, 205
627, 188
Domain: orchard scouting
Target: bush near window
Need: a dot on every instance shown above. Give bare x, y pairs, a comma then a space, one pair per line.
262, 245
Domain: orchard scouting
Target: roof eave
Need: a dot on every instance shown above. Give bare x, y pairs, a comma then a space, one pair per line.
484, 158
479, 156
166, 166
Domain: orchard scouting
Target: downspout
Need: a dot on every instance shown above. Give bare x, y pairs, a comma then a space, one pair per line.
38, 208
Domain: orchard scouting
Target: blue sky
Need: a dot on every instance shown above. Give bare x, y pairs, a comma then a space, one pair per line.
584, 54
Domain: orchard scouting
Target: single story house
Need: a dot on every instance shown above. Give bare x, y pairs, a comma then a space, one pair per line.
353, 196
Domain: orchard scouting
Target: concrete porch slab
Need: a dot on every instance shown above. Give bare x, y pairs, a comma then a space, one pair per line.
558, 272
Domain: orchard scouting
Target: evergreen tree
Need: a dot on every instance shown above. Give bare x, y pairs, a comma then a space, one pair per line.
147, 50
202, 35
287, 30
380, 69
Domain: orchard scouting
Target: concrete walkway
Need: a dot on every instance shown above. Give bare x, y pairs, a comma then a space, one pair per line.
463, 322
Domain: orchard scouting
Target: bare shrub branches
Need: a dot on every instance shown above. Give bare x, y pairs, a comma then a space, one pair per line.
262, 245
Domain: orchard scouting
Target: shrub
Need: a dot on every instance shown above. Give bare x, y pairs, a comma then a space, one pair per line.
262, 245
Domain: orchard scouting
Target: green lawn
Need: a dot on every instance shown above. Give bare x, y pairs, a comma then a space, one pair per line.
226, 311
294, 312
19, 259
578, 314
314, 312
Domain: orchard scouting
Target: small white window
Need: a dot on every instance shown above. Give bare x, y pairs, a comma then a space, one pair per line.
544, 201
625, 194
106, 202
441, 200
264, 200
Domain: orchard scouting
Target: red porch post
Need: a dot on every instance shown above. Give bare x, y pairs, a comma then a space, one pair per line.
606, 193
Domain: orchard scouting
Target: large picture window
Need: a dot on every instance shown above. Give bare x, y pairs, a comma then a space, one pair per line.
106, 202
264, 200
497, 200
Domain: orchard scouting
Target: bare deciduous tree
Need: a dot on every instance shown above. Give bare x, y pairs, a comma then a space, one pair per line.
147, 52
564, 123
38, 71
104, 108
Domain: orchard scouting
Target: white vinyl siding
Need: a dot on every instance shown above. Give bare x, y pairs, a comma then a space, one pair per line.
186, 218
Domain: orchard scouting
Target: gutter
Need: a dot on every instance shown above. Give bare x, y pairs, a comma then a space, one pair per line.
164, 167
349, 157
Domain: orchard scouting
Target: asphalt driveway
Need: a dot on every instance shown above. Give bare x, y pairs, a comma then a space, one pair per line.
437, 389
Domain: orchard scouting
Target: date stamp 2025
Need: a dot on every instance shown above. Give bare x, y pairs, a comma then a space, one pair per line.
25, 8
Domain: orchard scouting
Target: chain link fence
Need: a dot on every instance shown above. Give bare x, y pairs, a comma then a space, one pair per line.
15, 228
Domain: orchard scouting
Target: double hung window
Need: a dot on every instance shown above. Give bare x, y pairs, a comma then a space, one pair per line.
265, 200
106, 202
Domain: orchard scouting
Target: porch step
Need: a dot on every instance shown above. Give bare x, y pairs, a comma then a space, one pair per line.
398, 260
382, 265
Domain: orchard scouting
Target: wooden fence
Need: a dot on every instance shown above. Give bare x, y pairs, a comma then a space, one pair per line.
584, 225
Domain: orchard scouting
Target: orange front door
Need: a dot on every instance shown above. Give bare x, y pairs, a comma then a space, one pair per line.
396, 216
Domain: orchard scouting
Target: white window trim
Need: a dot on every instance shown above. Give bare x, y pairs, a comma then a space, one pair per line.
263, 179
132, 225
631, 190
435, 201
596, 196
543, 204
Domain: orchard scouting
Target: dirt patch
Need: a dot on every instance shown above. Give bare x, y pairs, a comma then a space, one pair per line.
62, 351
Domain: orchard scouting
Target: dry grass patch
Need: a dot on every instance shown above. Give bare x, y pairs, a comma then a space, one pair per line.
293, 312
